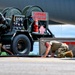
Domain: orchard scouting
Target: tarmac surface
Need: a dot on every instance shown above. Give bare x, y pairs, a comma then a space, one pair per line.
36, 66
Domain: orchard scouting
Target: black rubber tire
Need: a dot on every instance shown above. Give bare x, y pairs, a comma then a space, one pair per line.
25, 44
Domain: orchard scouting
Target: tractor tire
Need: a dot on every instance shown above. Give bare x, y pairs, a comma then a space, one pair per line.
21, 45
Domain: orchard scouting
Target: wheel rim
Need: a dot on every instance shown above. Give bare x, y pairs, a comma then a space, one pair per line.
22, 46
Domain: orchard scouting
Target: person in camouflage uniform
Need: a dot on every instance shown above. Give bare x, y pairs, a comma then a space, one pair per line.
62, 49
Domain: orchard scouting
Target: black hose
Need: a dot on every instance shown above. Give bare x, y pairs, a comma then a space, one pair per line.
50, 32
7, 51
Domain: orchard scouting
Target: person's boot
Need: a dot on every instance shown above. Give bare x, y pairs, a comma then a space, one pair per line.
69, 54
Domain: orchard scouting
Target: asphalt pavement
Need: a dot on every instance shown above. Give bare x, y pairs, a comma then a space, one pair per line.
36, 66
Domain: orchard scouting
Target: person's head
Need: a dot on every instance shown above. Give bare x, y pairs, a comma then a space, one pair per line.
47, 44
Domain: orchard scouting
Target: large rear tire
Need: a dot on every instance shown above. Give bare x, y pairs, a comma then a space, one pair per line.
21, 45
